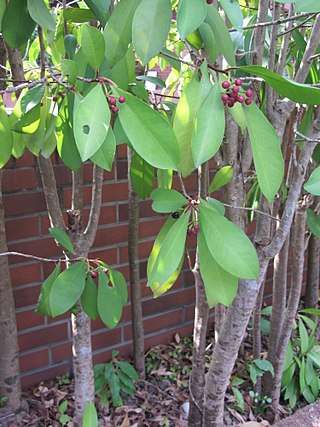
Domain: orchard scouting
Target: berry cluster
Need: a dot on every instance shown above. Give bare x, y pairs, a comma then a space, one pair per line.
193, 230
235, 94
113, 103
94, 273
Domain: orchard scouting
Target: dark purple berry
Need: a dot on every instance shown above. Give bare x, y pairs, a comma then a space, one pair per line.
225, 84
54, 98
248, 101
249, 93
235, 89
115, 110
112, 101
240, 98
175, 215
122, 99
225, 98
94, 274
238, 82
231, 103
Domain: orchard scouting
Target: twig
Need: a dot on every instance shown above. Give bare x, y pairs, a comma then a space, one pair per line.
27, 84
183, 188
289, 30
305, 138
275, 22
159, 389
37, 258
252, 210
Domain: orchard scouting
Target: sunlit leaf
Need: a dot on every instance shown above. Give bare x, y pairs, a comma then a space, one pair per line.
190, 15
62, 238
166, 201
39, 12
221, 178
141, 175
43, 306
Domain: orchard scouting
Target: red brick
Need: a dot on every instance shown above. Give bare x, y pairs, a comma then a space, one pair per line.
46, 373
121, 151
22, 228
110, 235
23, 204
170, 300
29, 319
28, 159
106, 338
42, 248
122, 169
107, 255
114, 192
105, 356
156, 323
29, 273
108, 215
26, 296
150, 228
18, 179
189, 312
43, 336
61, 352
34, 360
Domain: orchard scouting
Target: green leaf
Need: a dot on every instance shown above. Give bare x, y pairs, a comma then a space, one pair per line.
304, 339
193, 97
32, 98
313, 222
175, 63
100, 8
128, 369
149, 33
149, 133
303, 5
221, 34
217, 205
166, 201
264, 365
220, 286
6, 141
221, 178
70, 44
109, 302
123, 72
39, 12
63, 406
159, 289
233, 12
3, 5
266, 150
90, 416
170, 253
69, 68
302, 381
209, 41
228, 244
141, 175
62, 238
93, 46
239, 398
313, 183
105, 155
209, 127
67, 288
254, 373
287, 377
151, 79
78, 15
301, 93
289, 357
28, 122
190, 15
114, 384
91, 123
89, 298
43, 306
118, 31
164, 178
119, 283
17, 28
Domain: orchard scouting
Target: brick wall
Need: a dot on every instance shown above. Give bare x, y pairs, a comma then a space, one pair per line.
45, 343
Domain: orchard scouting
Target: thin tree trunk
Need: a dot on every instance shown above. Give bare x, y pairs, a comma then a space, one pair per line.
197, 379
256, 332
9, 351
135, 286
298, 250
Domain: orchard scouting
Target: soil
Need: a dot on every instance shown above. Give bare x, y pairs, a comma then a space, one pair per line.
309, 416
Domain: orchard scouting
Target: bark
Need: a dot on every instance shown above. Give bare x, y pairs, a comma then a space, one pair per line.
298, 249
238, 314
256, 332
9, 351
279, 294
197, 379
135, 286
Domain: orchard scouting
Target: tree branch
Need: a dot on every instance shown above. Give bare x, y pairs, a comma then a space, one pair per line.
97, 183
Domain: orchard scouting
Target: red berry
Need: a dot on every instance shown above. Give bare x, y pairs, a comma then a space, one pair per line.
238, 82
225, 84
41, 104
115, 110
106, 270
233, 95
240, 98
248, 101
189, 232
122, 99
60, 93
112, 101
249, 93
235, 89
209, 1
231, 103
225, 97
94, 274
196, 228
54, 98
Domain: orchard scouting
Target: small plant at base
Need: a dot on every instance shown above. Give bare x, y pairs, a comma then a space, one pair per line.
113, 378
3, 401
64, 419
260, 403
64, 379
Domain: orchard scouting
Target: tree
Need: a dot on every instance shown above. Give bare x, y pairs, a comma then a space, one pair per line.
85, 97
